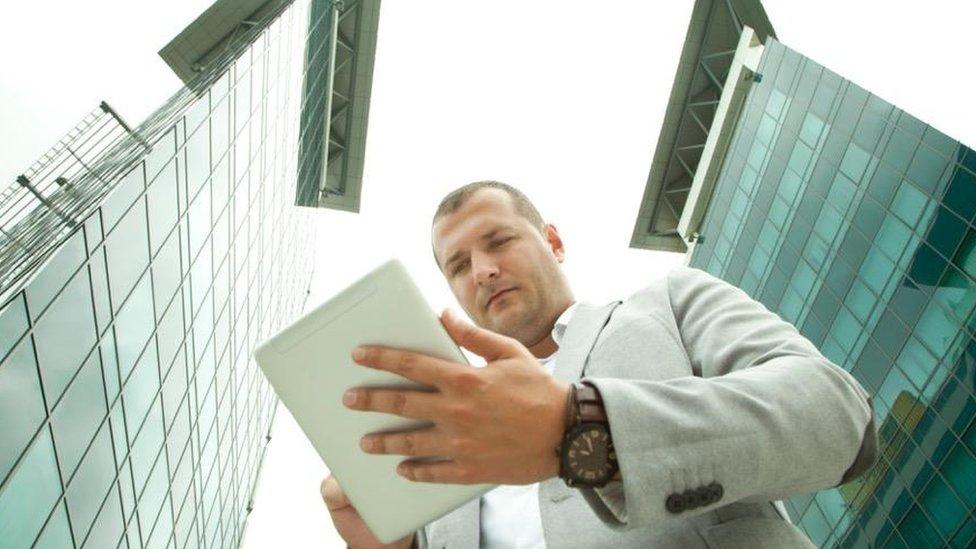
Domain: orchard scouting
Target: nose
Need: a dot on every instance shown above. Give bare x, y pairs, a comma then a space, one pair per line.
484, 268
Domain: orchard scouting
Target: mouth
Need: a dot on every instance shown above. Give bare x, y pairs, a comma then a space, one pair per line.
496, 295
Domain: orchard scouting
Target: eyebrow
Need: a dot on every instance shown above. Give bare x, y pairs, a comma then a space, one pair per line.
487, 236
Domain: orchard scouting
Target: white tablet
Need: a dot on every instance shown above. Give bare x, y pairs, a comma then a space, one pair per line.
309, 365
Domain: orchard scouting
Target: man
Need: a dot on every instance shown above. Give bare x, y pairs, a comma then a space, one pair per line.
697, 411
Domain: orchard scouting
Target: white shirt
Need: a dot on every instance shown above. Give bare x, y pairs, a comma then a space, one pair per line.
510, 514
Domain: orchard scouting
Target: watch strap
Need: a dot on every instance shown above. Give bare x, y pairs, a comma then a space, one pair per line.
588, 404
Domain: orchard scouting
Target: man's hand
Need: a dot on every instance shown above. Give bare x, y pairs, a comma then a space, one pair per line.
348, 522
499, 424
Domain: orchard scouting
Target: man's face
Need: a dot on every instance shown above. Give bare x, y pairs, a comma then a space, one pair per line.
503, 272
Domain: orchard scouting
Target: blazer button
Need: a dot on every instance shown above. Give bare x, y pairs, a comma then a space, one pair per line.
675, 503
704, 496
716, 491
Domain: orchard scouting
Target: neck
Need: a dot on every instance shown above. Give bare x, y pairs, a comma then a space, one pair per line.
544, 347
547, 345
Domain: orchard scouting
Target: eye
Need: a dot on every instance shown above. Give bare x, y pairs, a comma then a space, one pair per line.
500, 242
459, 267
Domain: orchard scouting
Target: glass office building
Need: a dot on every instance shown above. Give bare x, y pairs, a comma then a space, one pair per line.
854, 221
131, 412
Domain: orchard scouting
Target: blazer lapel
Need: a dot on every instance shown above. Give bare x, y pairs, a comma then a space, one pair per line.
581, 334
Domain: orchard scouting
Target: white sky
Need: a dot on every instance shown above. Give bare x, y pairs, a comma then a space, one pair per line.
563, 99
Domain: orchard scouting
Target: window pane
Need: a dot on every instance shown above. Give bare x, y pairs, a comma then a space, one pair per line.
127, 253
134, 326
55, 274
21, 405
13, 324
166, 274
65, 335
162, 205
108, 526
146, 447
122, 196
197, 157
926, 169
29, 496
56, 534
99, 276
90, 484
78, 415
153, 498
140, 390
169, 335
162, 153
199, 221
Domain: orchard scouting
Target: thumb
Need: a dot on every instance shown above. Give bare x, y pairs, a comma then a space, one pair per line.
484, 343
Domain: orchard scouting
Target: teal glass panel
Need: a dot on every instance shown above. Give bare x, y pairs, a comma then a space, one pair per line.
960, 196
79, 414
127, 252
147, 446
926, 169
126, 192
57, 533
893, 238
140, 390
29, 495
65, 335
167, 275
855, 161
49, 283
134, 326
108, 527
909, 203
99, 282
946, 233
945, 509
90, 484
21, 405
13, 324
163, 206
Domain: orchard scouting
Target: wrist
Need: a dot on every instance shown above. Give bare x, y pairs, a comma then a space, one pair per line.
586, 454
562, 419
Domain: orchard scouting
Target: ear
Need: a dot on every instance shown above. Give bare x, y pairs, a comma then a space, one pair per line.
555, 242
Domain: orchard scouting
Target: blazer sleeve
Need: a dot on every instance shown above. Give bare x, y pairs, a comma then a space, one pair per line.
764, 415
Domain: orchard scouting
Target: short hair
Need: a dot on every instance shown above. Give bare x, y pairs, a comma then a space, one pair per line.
523, 206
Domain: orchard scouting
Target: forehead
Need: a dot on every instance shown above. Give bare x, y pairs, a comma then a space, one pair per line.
483, 212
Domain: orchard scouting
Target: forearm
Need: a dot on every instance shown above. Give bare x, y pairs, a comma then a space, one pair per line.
794, 425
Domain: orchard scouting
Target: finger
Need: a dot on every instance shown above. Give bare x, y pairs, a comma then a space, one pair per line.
422, 442
441, 472
482, 342
407, 403
333, 495
423, 369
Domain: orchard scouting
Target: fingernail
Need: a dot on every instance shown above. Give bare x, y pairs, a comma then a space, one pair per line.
358, 353
366, 444
402, 470
349, 398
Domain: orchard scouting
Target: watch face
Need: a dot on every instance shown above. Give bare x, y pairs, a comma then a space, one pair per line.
589, 456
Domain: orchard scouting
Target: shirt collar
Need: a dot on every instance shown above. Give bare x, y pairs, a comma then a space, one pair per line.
559, 329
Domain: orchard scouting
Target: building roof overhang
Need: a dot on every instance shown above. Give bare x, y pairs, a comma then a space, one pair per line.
713, 37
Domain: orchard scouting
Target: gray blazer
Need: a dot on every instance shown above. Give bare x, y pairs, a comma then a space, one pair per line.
717, 409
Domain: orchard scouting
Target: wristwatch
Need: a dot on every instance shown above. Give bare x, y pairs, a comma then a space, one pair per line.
586, 455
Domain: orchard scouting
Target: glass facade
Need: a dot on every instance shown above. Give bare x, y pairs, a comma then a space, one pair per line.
854, 221
131, 412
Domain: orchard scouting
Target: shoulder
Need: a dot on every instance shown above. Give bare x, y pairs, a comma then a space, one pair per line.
678, 279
